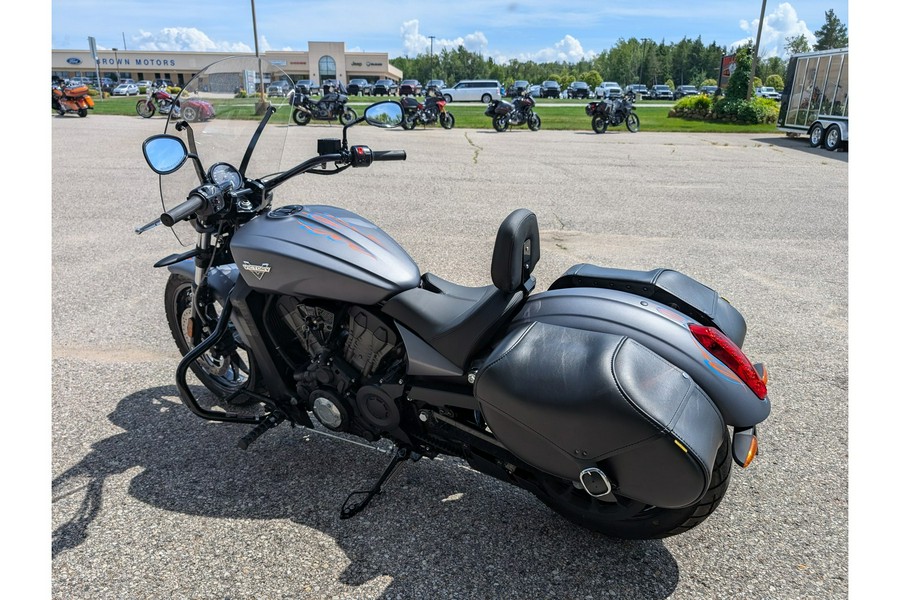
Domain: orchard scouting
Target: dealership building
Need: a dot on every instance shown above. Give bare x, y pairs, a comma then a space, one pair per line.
323, 60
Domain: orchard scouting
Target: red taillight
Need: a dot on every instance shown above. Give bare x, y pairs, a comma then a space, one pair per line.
727, 351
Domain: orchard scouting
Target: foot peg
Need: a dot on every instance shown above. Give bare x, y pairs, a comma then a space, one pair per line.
268, 423
349, 510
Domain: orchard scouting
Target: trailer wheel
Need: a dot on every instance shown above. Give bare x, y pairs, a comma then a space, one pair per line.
815, 135
832, 138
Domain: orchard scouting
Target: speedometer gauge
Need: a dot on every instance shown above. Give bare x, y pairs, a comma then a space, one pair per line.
223, 174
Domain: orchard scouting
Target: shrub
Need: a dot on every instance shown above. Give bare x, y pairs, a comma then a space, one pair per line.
241, 93
751, 112
693, 107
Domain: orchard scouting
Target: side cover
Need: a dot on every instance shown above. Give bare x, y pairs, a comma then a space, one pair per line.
564, 400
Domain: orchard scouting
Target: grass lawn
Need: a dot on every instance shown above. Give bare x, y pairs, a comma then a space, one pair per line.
569, 115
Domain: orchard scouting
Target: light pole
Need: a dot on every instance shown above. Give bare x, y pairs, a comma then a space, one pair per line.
431, 37
643, 59
116, 53
762, 14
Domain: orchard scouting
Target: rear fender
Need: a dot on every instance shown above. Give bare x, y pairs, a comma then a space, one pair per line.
656, 326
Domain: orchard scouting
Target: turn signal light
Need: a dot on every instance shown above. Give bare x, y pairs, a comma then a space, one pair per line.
728, 352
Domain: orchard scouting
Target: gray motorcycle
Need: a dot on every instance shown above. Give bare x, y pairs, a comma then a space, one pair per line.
618, 398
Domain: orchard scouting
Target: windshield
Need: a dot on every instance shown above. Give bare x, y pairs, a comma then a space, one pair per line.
223, 108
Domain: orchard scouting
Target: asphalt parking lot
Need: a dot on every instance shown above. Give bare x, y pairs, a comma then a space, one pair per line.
151, 502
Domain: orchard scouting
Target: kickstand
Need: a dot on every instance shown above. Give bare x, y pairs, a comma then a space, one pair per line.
349, 510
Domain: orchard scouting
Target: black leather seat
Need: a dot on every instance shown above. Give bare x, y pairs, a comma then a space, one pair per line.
457, 320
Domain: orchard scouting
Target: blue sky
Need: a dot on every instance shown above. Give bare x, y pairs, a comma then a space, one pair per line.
522, 29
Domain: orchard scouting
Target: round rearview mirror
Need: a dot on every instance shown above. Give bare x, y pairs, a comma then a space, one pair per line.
165, 153
384, 114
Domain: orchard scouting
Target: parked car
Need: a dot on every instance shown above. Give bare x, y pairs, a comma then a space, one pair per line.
768, 92
517, 88
709, 90
359, 87
306, 86
685, 90
638, 89
279, 88
409, 87
661, 92
433, 85
473, 90
535, 90
550, 89
578, 89
163, 83
384, 87
144, 83
126, 89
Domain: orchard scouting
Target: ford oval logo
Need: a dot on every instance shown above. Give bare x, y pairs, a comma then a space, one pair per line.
73, 61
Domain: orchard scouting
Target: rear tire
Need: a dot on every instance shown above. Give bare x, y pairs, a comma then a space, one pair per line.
831, 143
598, 124
642, 522
82, 112
221, 374
501, 124
815, 135
190, 114
632, 123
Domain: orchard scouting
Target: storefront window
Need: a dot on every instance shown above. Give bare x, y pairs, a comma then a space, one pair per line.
327, 68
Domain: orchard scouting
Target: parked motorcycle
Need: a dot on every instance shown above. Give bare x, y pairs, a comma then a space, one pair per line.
619, 398
333, 105
610, 113
158, 99
433, 110
519, 112
66, 99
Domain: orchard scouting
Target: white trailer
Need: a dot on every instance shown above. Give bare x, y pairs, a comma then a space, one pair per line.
814, 101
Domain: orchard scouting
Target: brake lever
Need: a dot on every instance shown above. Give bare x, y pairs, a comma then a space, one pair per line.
148, 226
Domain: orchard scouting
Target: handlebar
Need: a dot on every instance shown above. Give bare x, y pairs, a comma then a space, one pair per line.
188, 207
389, 155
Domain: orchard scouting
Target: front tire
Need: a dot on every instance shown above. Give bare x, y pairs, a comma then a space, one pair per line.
632, 123
145, 109
534, 122
640, 522
598, 124
225, 368
300, 117
82, 112
348, 116
832, 137
501, 124
815, 135
447, 120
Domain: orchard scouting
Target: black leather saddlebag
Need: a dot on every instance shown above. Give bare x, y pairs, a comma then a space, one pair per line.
564, 400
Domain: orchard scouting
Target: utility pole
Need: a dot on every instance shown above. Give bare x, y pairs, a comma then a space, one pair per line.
643, 59
431, 37
124, 45
261, 106
116, 53
762, 14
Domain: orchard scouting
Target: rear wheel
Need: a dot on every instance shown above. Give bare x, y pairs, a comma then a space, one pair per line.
815, 135
486, 98
190, 114
225, 368
82, 112
501, 123
301, 118
447, 120
629, 519
598, 124
832, 137
632, 123
145, 109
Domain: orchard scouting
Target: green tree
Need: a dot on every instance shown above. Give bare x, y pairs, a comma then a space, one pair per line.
592, 78
775, 81
833, 33
797, 44
740, 77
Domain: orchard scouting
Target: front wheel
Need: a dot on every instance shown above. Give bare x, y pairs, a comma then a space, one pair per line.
629, 519
300, 117
225, 368
145, 109
501, 124
632, 123
534, 122
815, 135
598, 124
832, 137
447, 120
348, 116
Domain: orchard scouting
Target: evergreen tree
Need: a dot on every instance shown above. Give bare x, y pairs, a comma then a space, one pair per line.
833, 33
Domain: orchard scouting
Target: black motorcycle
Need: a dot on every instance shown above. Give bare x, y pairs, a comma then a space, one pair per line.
610, 113
433, 110
518, 112
332, 106
619, 398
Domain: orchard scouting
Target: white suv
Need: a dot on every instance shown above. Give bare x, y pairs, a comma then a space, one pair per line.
473, 90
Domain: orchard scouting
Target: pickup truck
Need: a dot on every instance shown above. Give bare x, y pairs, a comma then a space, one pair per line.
768, 92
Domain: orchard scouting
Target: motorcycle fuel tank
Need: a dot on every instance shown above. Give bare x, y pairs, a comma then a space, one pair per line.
322, 251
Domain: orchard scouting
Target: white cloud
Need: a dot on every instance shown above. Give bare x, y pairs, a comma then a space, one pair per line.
187, 39
415, 43
568, 49
782, 23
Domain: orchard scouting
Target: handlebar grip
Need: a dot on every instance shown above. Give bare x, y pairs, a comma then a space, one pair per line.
389, 155
189, 206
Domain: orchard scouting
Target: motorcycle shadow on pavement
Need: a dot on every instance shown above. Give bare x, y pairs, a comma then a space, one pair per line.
437, 527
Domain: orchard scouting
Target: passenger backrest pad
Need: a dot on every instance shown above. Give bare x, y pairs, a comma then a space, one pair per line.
516, 250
